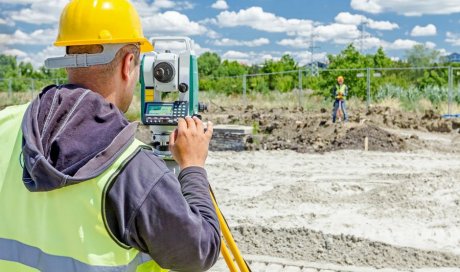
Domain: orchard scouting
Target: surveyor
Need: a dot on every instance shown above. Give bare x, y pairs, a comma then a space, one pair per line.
78, 192
339, 93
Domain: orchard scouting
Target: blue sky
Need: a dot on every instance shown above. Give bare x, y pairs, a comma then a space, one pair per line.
251, 31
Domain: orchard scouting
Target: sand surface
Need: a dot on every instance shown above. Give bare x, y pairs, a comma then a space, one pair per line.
308, 198
395, 210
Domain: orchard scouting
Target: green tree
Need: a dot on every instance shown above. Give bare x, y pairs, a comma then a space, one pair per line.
231, 68
381, 60
281, 82
421, 56
348, 60
208, 63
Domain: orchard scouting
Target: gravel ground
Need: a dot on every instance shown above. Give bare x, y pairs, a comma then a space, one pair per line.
380, 210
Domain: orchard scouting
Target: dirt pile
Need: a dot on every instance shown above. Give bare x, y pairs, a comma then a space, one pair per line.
378, 139
315, 246
302, 131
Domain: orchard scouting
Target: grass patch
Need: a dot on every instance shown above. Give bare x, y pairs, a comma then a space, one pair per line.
274, 99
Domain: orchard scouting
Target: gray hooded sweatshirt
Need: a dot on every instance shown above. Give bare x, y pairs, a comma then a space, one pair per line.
71, 134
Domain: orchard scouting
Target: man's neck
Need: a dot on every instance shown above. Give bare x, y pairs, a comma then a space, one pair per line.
106, 91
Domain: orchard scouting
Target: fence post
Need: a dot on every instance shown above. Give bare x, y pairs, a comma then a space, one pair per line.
451, 85
10, 82
300, 88
244, 89
368, 87
32, 87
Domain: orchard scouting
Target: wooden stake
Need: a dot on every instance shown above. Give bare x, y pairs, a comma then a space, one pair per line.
366, 143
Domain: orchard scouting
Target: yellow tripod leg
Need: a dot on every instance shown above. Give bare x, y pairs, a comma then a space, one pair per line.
227, 257
229, 240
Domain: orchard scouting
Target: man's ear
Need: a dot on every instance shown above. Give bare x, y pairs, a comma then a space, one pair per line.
127, 66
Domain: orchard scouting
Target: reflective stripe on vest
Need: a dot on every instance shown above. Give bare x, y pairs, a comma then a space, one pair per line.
59, 230
341, 88
34, 257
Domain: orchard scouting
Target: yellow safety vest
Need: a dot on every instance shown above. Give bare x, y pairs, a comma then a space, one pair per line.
63, 230
340, 91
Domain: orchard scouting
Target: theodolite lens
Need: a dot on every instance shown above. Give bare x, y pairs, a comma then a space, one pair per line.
163, 72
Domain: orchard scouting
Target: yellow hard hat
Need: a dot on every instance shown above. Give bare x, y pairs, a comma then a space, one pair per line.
85, 22
339, 78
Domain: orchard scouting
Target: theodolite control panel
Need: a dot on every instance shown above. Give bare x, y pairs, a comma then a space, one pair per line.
164, 113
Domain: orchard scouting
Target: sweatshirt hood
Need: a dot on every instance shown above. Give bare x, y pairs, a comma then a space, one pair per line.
71, 134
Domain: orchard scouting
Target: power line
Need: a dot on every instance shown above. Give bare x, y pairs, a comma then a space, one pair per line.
363, 35
312, 47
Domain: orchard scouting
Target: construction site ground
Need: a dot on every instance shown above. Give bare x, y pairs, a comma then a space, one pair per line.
305, 196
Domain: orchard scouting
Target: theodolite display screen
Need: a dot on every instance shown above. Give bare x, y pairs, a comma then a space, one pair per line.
160, 109
164, 113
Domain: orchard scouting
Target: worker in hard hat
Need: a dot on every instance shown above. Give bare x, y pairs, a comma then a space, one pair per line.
78, 192
339, 92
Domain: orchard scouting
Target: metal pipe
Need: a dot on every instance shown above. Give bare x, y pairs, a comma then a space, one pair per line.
368, 88
451, 86
244, 89
300, 88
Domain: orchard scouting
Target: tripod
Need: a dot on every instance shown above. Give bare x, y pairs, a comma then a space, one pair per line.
228, 246
339, 112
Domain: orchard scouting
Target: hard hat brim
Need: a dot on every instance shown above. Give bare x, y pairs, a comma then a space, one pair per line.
145, 45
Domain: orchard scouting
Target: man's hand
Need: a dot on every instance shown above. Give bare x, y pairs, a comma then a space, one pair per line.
189, 142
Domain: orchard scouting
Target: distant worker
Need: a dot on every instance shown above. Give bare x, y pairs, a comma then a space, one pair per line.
339, 92
78, 191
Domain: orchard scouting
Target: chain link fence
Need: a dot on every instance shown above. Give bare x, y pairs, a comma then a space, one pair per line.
437, 86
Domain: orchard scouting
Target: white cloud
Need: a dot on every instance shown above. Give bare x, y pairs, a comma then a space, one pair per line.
350, 19
200, 50
430, 45
177, 47
453, 38
356, 19
338, 33
305, 57
428, 30
251, 57
297, 42
145, 9
231, 42
20, 1
220, 4
407, 8
172, 23
38, 59
443, 52
14, 52
48, 11
234, 55
212, 34
148, 8
370, 42
257, 18
164, 4
381, 25
37, 37
401, 44
38, 12
7, 22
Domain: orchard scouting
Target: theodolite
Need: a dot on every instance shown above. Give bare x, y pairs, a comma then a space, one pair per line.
164, 74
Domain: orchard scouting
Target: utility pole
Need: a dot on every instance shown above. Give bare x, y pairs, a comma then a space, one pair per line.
362, 36
313, 65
